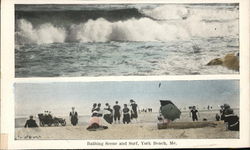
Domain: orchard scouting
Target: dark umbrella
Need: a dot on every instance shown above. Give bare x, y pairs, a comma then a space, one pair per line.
169, 110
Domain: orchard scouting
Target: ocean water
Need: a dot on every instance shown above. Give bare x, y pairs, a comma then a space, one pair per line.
123, 40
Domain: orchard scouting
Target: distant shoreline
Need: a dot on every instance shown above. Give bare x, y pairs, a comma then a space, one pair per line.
183, 111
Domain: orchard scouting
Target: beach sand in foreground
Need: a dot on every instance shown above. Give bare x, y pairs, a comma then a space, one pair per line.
146, 128
125, 131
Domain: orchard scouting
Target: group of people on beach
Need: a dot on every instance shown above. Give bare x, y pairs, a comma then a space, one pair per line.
109, 115
129, 112
227, 115
31, 123
112, 115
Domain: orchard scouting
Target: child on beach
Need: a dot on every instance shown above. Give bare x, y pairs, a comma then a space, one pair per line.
126, 115
194, 113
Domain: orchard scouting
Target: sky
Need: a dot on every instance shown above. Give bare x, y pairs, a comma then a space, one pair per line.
59, 97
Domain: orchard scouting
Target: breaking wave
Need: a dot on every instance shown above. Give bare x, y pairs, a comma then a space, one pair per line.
46, 33
163, 23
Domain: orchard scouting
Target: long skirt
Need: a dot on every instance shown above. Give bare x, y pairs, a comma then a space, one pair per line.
126, 118
74, 120
108, 118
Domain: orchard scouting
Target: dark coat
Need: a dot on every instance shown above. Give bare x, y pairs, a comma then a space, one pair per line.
74, 118
30, 124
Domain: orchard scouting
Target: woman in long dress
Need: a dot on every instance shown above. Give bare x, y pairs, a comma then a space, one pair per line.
73, 117
108, 114
96, 121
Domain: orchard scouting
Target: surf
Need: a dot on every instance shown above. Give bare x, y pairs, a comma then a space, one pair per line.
161, 23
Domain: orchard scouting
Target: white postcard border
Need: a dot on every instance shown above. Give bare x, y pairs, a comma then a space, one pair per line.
7, 81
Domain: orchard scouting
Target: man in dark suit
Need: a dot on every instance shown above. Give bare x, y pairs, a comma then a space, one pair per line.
73, 117
30, 123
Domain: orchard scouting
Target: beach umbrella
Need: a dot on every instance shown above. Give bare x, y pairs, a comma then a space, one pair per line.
169, 110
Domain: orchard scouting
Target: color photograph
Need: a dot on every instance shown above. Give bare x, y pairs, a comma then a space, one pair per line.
79, 40
111, 110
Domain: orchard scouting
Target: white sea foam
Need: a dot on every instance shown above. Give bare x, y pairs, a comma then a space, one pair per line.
45, 33
167, 12
143, 29
164, 23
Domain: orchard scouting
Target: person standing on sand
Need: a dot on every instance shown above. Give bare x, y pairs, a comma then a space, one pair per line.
94, 110
31, 123
73, 117
126, 115
117, 112
108, 114
94, 107
194, 113
134, 114
98, 109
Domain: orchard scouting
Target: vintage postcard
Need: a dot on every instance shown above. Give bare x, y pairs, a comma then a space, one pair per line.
124, 74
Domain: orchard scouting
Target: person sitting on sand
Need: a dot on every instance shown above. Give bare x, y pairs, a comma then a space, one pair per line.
230, 118
108, 114
117, 112
217, 117
232, 121
227, 109
46, 113
134, 114
194, 113
31, 123
163, 119
126, 115
49, 115
73, 116
95, 124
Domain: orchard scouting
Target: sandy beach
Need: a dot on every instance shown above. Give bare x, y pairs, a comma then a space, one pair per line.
145, 128
121, 131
